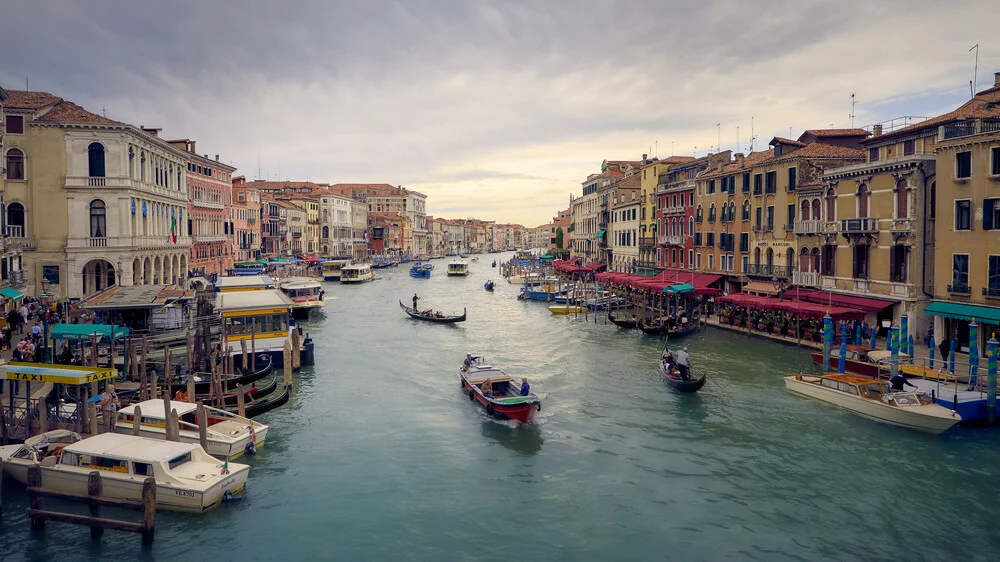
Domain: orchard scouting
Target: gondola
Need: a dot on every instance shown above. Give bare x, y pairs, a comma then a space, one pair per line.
232, 398
263, 406
628, 323
440, 320
205, 386
489, 285
680, 385
494, 263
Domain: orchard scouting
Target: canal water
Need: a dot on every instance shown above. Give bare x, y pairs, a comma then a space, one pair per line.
380, 456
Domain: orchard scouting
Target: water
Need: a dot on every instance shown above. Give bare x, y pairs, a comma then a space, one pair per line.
380, 456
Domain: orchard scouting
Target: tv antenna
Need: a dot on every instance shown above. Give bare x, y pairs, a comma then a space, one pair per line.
975, 72
853, 101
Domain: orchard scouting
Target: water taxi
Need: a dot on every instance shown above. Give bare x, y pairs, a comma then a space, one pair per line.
229, 435
458, 268
187, 478
239, 283
357, 273
305, 293
875, 400
261, 318
331, 269
422, 270
497, 392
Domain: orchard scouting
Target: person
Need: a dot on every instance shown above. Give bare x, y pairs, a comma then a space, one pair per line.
898, 381
488, 388
414, 302
181, 396
23, 311
109, 407
930, 335
525, 387
467, 364
945, 347
36, 330
667, 360
684, 363
66, 356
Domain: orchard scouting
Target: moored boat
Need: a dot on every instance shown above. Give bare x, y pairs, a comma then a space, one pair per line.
357, 273
431, 316
631, 323
567, 309
187, 478
875, 400
502, 398
264, 364
305, 293
860, 359
259, 407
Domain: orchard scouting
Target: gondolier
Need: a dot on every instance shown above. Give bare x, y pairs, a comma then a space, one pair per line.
683, 363
414, 302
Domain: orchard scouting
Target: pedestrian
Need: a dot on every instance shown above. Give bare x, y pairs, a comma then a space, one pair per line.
23, 311
945, 347
36, 330
109, 407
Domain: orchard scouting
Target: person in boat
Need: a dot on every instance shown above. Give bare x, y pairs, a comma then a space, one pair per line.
667, 360
525, 387
684, 363
414, 302
467, 364
899, 381
181, 396
438, 314
488, 388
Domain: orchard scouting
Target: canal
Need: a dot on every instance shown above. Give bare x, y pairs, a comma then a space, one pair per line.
380, 456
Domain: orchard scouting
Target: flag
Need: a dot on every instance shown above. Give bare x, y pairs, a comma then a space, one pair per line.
173, 229
225, 467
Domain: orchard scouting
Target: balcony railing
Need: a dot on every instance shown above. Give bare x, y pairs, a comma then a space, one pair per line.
97, 242
15, 231
789, 228
808, 227
762, 270
647, 241
806, 278
669, 211
23, 244
991, 292
671, 240
206, 238
756, 228
859, 226
959, 289
207, 204
902, 225
96, 182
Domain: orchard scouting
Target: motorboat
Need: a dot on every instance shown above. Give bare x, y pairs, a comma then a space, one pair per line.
431, 316
261, 319
331, 269
489, 285
875, 400
357, 273
305, 293
421, 270
528, 278
567, 309
229, 435
502, 397
458, 268
187, 478
860, 359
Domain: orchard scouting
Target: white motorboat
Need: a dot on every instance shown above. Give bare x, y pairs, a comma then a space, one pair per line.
305, 293
187, 478
229, 435
458, 268
357, 273
529, 278
875, 400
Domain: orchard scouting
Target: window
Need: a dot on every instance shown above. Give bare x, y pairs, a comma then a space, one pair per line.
863, 201
909, 147
710, 189
690, 226
711, 213
744, 241
963, 215
745, 261
771, 182
791, 216
963, 165
698, 262
828, 260
697, 214
759, 213
902, 200
873, 155
15, 124
15, 164
746, 183
959, 273
995, 161
690, 257
861, 261
993, 274
51, 272
15, 220
898, 258
710, 239
792, 179
758, 182
95, 159
991, 214
746, 209
98, 216
770, 217
711, 262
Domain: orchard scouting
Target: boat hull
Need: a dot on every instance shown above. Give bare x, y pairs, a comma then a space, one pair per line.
683, 386
563, 309
522, 413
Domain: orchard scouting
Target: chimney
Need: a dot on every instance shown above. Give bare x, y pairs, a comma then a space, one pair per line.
216, 157
996, 79
739, 160
876, 130
644, 158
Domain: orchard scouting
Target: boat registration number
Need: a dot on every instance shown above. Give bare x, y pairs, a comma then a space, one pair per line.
184, 493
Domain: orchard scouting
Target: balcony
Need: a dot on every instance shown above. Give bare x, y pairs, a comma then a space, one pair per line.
672, 211
991, 292
768, 227
902, 225
959, 289
789, 228
859, 226
806, 278
671, 240
296, 234
829, 227
760, 270
207, 204
20, 243
96, 182
648, 241
100, 242
208, 238
808, 227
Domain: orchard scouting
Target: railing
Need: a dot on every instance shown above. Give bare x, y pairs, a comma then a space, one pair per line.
207, 238
768, 227
959, 289
671, 240
647, 241
862, 285
829, 227
207, 204
780, 271
96, 182
97, 242
857, 226
23, 244
806, 278
808, 227
991, 292
902, 225
15, 231
960, 129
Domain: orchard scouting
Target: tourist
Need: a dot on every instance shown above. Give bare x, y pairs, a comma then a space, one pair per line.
488, 388
66, 356
181, 396
109, 407
468, 362
684, 363
667, 360
23, 311
525, 387
36, 330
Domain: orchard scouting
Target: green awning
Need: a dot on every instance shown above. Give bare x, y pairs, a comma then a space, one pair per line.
960, 311
251, 264
601, 233
12, 293
679, 288
277, 260
82, 332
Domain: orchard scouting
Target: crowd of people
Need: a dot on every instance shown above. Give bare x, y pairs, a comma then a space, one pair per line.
790, 324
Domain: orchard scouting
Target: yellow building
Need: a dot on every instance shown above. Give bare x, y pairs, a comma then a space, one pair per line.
653, 172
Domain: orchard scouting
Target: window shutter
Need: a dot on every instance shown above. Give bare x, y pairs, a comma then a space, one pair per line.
988, 214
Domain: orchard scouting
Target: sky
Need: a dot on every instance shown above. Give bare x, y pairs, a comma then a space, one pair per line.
493, 109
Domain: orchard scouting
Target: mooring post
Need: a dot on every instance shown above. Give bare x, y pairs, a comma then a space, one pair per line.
35, 501
287, 356
148, 510
166, 371
202, 415
137, 421
95, 488
240, 401
296, 350
191, 388
173, 424
92, 416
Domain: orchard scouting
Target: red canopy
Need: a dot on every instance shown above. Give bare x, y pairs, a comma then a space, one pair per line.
866, 304
806, 309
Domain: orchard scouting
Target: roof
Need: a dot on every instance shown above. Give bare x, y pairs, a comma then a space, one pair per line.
83, 332
63, 374
240, 301
20, 99
783, 140
69, 112
986, 104
836, 133
244, 281
676, 160
298, 283
818, 150
136, 296
130, 447
154, 408
866, 304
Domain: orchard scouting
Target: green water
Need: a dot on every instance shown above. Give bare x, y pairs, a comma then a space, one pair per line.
379, 456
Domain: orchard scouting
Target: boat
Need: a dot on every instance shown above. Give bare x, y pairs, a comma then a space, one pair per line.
875, 400
259, 407
630, 323
494, 263
489, 285
458, 268
254, 393
663, 326
187, 478
331, 269
429, 316
604, 301
357, 273
680, 384
229, 435
506, 402
860, 359
235, 284
548, 291
261, 318
567, 309
305, 293
265, 364
529, 278
421, 270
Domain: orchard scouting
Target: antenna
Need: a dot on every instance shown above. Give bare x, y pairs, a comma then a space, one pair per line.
671, 148
737, 138
718, 129
657, 154
853, 101
975, 72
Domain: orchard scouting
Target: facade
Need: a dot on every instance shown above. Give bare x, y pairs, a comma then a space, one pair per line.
675, 179
90, 201
590, 211
273, 228
623, 226
246, 221
386, 198
296, 220
210, 211
337, 227
560, 223
10, 261
359, 229
653, 171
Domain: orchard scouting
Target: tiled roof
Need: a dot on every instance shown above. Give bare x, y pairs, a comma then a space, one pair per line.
986, 104
677, 160
280, 185
631, 181
820, 150
831, 133
20, 99
783, 140
69, 112
377, 189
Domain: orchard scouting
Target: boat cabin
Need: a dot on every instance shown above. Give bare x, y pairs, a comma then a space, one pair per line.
261, 314
244, 283
458, 268
219, 421
331, 269
356, 273
301, 289
126, 454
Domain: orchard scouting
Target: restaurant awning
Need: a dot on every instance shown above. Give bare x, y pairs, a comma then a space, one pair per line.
762, 288
867, 304
961, 311
82, 332
62, 374
11, 293
679, 288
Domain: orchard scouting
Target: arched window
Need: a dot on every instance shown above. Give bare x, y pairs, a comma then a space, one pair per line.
711, 213
15, 220
15, 164
815, 209
770, 257
804, 262
746, 209
690, 226
98, 219
831, 205
805, 210
863, 201
756, 256
698, 214
790, 260
732, 211
131, 163
326, 232
142, 165
95, 159
902, 200
815, 259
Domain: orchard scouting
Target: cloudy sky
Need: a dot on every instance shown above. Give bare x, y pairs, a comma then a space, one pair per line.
493, 109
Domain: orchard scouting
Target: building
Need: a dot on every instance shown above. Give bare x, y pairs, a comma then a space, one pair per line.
273, 228
359, 228
590, 211
386, 198
296, 219
10, 261
246, 221
622, 251
653, 172
337, 230
674, 179
561, 236
210, 211
91, 201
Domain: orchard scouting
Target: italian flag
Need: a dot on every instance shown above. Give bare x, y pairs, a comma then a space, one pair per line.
173, 229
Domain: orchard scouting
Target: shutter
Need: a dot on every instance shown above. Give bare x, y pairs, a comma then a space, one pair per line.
988, 214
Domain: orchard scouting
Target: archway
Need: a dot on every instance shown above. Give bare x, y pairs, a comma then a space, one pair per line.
98, 274
157, 270
147, 271
136, 272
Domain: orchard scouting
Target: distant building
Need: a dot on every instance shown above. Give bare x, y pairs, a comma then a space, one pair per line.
246, 220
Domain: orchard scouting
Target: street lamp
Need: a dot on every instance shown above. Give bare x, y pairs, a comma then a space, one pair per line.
119, 272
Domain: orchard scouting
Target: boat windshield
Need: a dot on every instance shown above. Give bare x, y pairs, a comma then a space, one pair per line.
908, 399
177, 461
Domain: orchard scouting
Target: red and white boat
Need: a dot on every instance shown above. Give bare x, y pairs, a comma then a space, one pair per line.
502, 395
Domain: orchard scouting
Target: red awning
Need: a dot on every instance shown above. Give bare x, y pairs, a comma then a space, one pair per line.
866, 304
802, 308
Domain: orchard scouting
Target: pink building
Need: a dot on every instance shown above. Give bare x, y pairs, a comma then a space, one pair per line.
246, 221
210, 224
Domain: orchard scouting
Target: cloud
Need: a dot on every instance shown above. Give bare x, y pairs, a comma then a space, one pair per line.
497, 110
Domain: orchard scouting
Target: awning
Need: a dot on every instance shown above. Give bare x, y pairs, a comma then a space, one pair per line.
12, 293
680, 288
601, 232
867, 304
82, 332
960, 311
762, 288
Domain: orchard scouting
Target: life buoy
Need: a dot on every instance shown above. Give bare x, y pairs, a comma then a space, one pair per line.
489, 408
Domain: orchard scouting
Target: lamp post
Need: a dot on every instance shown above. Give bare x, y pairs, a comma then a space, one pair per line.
119, 270
45, 318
